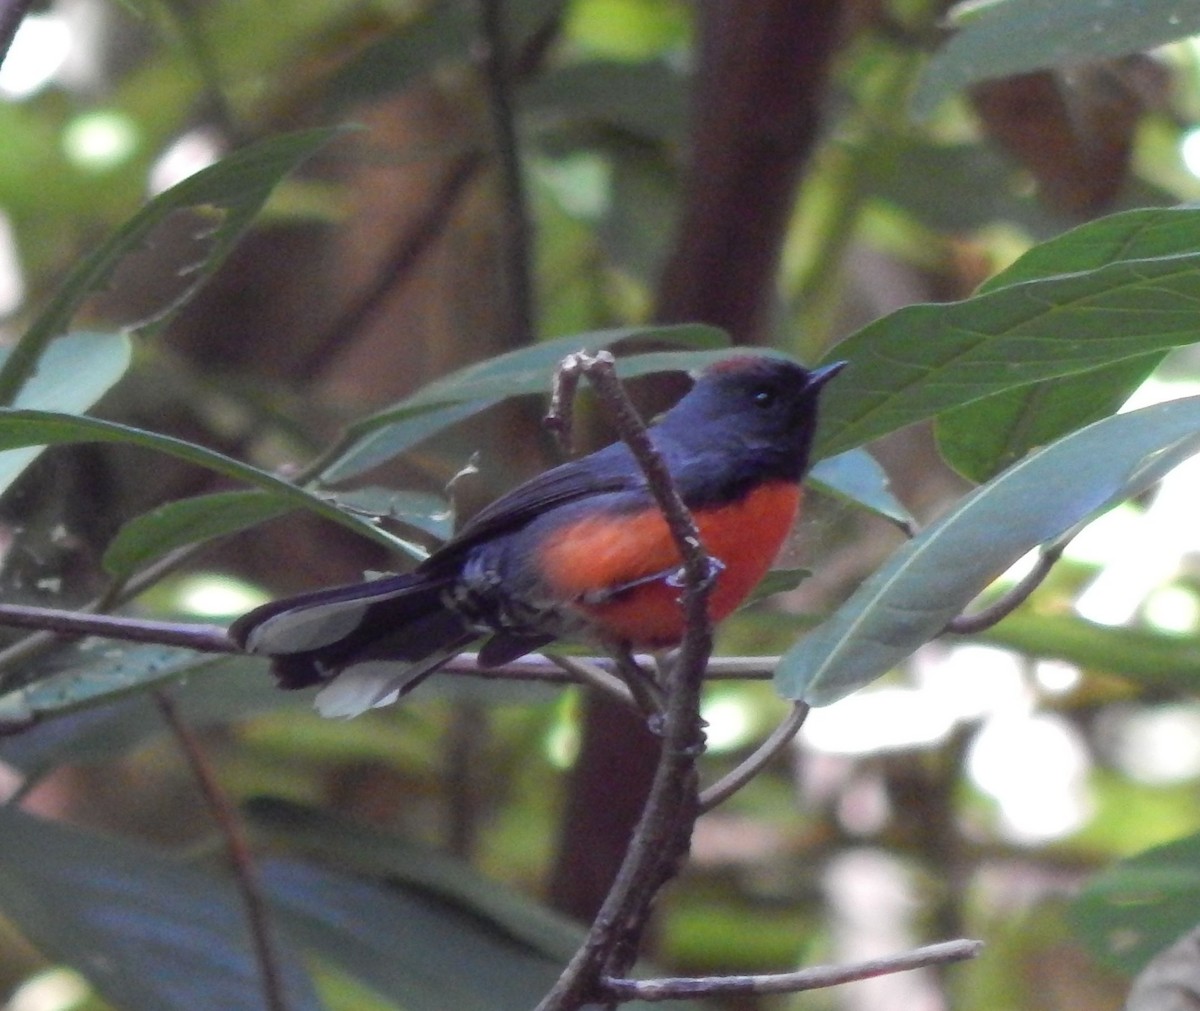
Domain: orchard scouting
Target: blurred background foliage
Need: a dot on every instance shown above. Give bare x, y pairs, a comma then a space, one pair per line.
974, 792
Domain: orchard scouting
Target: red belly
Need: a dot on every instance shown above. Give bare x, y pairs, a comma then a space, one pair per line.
589, 557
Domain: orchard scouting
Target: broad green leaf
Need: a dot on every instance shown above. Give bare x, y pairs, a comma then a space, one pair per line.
147, 931
984, 437
111, 673
72, 373
927, 359
1129, 913
856, 477
936, 575
408, 946
1145, 234
230, 193
152, 535
981, 439
380, 855
477, 387
416, 925
37, 428
1004, 37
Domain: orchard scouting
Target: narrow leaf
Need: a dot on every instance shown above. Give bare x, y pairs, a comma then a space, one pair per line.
933, 577
530, 370
36, 428
109, 673
155, 534
231, 192
71, 375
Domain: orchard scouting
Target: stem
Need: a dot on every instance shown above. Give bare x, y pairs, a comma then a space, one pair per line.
241, 860
780, 738
815, 978
998, 610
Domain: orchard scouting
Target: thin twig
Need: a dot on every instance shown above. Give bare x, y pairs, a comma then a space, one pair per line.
663, 832
815, 978
998, 610
241, 860
205, 638
12, 13
780, 738
584, 671
515, 253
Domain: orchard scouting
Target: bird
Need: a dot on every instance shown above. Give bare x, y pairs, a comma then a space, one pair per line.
580, 552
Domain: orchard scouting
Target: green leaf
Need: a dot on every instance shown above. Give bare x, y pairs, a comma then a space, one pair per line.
108, 724
1129, 913
1005, 37
147, 931
984, 437
1145, 234
36, 428
477, 387
378, 854
72, 373
981, 439
153, 535
107, 675
405, 945
927, 359
856, 477
934, 576
231, 193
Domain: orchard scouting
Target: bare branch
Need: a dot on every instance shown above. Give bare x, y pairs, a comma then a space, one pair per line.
780, 738
814, 978
205, 638
661, 839
584, 671
241, 860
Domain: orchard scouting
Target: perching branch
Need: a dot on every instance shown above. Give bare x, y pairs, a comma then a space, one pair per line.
205, 638
663, 833
814, 978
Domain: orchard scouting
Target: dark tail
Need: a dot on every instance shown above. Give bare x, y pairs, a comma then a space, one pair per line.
313, 638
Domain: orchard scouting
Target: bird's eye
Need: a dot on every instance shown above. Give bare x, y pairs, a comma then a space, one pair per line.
764, 397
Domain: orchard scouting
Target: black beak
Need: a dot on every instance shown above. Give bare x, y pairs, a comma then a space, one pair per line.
819, 377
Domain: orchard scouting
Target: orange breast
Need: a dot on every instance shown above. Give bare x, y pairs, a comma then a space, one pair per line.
604, 552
